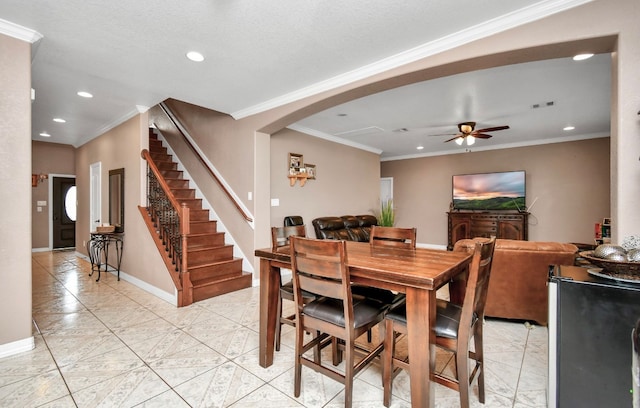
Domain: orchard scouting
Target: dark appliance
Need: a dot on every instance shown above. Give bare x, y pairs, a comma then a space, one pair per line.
591, 320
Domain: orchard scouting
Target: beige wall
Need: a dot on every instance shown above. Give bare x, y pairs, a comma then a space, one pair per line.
569, 183
347, 181
15, 183
120, 148
47, 158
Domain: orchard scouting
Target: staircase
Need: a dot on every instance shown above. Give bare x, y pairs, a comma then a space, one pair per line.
211, 268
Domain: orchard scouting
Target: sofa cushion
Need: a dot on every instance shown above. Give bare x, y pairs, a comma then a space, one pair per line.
347, 227
330, 228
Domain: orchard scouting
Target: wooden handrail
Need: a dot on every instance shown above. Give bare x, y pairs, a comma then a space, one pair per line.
170, 115
165, 187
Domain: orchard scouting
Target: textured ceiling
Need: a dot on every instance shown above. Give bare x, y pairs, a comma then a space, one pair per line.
131, 55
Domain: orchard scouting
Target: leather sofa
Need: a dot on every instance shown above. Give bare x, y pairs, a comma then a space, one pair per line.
347, 227
519, 275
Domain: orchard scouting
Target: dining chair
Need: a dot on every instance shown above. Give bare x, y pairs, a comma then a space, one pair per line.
280, 242
393, 236
336, 317
387, 237
455, 326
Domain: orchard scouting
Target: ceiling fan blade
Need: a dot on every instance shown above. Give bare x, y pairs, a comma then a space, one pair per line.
454, 138
491, 129
481, 136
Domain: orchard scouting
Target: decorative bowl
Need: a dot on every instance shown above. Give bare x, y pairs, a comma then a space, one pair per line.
629, 269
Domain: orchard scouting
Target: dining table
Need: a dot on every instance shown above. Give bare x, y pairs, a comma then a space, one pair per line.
418, 273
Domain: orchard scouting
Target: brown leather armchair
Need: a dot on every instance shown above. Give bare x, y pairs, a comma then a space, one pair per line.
518, 283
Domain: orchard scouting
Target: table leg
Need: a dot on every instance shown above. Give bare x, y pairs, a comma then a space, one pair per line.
118, 245
269, 292
421, 315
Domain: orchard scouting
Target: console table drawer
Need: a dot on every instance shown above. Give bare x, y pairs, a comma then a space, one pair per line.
483, 232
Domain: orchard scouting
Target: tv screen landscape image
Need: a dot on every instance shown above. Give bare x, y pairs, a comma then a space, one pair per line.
490, 191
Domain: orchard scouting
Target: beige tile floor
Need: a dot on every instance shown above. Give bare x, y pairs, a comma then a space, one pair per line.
110, 344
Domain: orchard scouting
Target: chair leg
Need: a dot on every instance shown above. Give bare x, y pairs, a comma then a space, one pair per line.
479, 351
298, 364
462, 374
279, 325
387, 361
348, 374
317, 350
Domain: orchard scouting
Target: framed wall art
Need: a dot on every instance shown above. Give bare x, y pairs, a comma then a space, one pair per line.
295, 163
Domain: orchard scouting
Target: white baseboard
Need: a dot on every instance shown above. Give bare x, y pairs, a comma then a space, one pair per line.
171, 298
40, 250
16, 347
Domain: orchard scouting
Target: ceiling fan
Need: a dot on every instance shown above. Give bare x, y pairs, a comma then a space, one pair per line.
468, 133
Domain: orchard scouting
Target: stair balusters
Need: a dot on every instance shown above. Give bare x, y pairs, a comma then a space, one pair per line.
166, 219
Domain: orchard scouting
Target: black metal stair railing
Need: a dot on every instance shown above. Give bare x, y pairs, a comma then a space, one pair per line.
166, 219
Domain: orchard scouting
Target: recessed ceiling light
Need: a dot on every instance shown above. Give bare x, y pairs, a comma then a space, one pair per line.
567, 128
45, 134
85, 94
195, 56
420, 147
59, 120
581, 57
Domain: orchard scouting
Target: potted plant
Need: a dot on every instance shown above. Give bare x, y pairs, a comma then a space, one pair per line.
386, 218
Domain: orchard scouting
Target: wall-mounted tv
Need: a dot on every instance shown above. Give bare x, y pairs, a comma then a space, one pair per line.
490, 191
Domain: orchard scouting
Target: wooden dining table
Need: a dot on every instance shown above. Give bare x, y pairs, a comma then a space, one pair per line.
416, 272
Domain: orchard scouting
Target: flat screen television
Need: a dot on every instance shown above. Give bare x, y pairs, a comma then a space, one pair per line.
490, 191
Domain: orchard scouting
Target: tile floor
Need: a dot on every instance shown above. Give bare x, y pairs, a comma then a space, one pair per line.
110, 344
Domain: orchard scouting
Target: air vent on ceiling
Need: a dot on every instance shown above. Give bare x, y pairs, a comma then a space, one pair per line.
542, 105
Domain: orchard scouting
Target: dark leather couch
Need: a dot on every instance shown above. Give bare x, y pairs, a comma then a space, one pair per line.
519, 274
347, 227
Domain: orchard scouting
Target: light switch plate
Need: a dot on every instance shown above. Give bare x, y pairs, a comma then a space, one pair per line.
42, 203
275, 202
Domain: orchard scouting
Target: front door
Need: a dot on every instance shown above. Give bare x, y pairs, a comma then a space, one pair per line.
64, 212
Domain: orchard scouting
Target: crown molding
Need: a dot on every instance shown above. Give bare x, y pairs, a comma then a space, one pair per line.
508, 21
19, 32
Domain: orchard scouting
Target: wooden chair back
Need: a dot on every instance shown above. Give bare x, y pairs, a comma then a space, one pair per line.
393, 236
320, 267
477, 288
280, 235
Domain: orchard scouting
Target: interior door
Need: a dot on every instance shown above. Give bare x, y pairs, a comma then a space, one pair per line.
386, 189
64, 212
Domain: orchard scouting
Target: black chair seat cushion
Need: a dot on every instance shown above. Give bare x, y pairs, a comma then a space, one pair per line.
447, 318
381, 295
286, 292
331, 310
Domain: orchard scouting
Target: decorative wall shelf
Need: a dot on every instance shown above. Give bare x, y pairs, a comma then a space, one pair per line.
300, 176
300, 171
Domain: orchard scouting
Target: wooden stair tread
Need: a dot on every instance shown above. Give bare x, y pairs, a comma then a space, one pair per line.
223, 279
